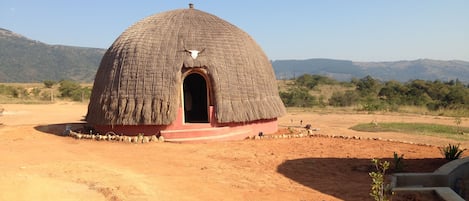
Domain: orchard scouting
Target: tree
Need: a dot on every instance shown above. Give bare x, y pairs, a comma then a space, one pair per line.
69, 88
393, 92
457, 97
311, 81
417, 93
49, 83
437, 90
307, 81
343, 99
368, 86
298, 97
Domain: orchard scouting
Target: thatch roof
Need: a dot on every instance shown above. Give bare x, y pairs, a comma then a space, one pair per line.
139, 79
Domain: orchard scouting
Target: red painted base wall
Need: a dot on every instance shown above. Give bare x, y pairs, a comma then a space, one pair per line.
179, 131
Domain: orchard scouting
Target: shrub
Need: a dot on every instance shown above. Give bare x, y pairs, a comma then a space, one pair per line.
311, 81
379, 190
36, 91
343, 99
457, 121
398, 162
49, 83
298, 97
368, 86
73, 90
451, 152
371, 104
20, 92
81, 94
67, 88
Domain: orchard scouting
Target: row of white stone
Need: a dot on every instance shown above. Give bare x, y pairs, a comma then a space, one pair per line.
119, 138
303, 135
146, 139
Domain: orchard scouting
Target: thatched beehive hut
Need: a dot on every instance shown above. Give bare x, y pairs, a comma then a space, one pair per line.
187, 75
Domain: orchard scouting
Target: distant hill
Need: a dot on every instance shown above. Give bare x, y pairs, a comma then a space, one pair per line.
425, 69
26, 60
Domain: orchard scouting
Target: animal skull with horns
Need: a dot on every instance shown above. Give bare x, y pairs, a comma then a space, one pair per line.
194, 53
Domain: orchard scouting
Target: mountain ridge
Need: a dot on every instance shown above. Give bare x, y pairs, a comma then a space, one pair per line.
27, 60
404, 70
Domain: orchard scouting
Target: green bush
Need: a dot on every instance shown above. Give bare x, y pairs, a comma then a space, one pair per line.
68, 88
398, 162
73, 90
452, 152
343, 99
49, 83
81, 94
371, 104
380, 191
311, 81
368, 86
298, 97
374, 95
36, 91
15, 92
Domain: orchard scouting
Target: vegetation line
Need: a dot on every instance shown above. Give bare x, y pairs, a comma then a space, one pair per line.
446, 98
438, 130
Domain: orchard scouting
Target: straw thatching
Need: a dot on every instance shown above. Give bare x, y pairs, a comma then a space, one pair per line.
139, 79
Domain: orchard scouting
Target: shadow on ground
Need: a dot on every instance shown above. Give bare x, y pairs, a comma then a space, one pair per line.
58, 129
344, 178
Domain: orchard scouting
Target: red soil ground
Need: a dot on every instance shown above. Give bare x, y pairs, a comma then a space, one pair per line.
37, 164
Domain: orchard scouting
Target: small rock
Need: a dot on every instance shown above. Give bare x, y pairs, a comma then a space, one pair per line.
145, 139
78, 136
140, 138
153, 138
161, 139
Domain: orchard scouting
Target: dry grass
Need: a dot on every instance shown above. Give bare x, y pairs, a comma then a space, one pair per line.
440, 112
30, 98
325, 91
24, 85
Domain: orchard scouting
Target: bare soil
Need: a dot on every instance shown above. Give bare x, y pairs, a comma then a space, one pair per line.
38, 164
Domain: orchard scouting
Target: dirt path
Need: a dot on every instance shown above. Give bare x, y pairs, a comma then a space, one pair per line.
36, 165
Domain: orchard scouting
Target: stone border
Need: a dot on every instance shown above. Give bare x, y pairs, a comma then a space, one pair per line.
310, 134
111, 136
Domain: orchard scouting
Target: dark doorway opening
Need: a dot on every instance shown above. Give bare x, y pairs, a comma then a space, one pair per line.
195, 99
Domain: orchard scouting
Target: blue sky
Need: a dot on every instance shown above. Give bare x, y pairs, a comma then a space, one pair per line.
358, 30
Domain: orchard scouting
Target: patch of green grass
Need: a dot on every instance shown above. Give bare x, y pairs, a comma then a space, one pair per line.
437, 130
